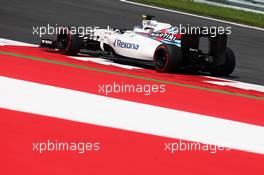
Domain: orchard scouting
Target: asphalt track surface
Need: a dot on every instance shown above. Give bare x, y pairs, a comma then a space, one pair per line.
18, 17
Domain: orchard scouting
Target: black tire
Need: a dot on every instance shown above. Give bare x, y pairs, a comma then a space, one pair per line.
227, 66
69, 44
167, 58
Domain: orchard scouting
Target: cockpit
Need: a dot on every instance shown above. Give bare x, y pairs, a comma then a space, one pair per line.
150, 25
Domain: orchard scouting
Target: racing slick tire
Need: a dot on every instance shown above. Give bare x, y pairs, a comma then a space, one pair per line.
167, 58
69, 44
228, 66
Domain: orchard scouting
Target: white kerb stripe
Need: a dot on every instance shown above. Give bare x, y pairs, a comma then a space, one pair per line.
4, 42
104, 111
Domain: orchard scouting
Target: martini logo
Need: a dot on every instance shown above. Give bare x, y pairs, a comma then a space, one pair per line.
126, 45
164, 36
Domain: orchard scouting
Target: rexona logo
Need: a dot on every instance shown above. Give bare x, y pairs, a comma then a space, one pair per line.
119, 43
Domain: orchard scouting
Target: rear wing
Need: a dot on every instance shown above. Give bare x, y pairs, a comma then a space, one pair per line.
217, 43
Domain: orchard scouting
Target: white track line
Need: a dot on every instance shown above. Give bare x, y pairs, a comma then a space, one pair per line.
189, 14
4, 42
103, 61
236, 84
104, 111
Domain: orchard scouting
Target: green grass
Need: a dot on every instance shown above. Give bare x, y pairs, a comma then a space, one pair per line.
229, 14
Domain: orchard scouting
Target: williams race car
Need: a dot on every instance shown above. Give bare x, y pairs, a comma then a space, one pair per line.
152, 43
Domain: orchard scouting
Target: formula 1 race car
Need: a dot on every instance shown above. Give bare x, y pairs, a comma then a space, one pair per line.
152, 43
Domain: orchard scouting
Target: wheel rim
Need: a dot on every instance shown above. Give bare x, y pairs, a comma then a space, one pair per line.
161, 59
62, 42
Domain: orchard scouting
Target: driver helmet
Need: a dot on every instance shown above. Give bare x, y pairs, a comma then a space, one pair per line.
148, 22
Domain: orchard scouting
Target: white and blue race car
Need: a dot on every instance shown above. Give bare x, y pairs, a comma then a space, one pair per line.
152, 43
